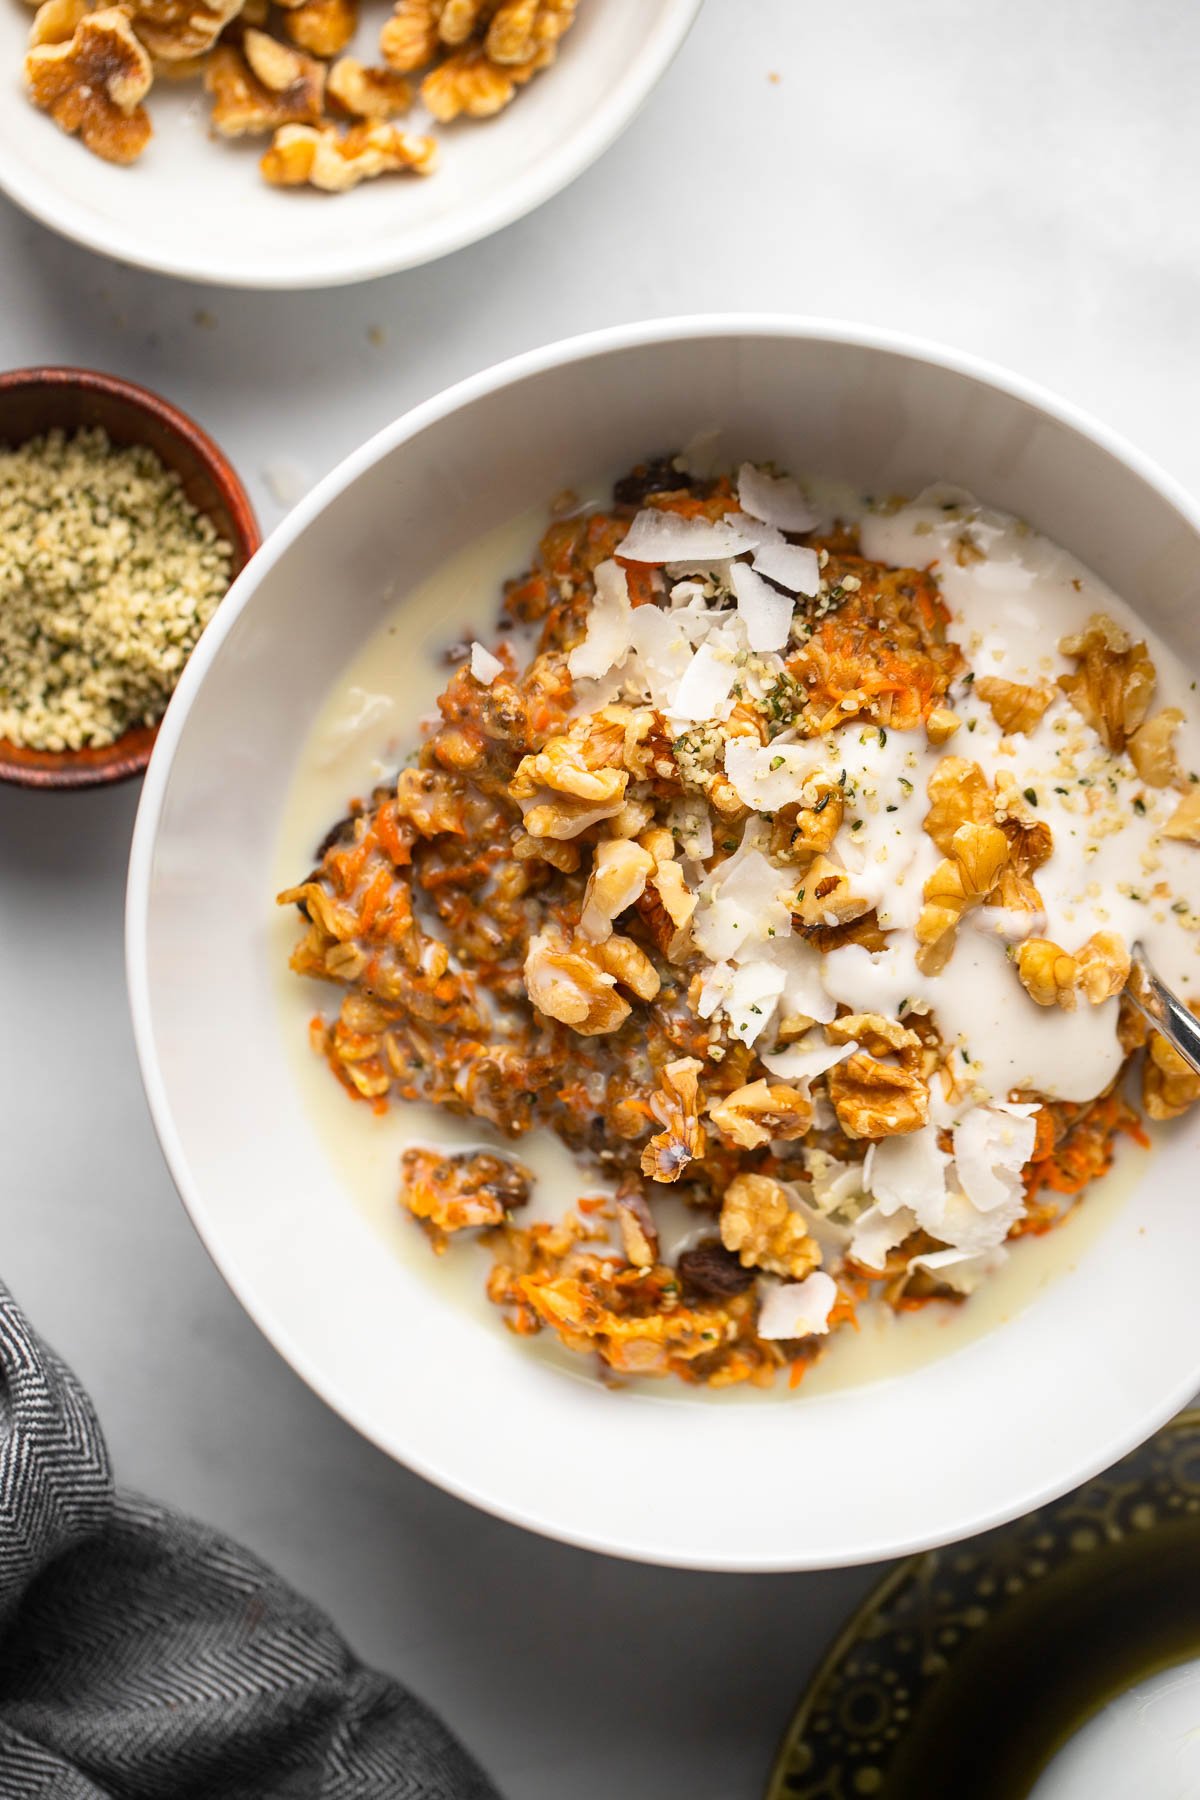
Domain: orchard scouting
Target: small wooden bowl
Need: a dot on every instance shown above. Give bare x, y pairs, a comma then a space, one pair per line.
33, 401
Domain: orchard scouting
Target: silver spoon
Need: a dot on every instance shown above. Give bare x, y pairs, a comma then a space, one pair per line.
1165, 1011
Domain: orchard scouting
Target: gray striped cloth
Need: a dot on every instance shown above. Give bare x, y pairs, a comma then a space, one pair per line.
143, 1657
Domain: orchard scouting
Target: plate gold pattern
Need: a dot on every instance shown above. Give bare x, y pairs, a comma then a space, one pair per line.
966, 1669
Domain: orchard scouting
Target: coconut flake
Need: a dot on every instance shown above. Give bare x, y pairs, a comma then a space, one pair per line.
765, 612
962, 1270
609, 626
775, 499
834, 1183
805, 1060
876, 1233
705, 687
751, 999
909, 1172
768, 776
484, 666
793, 566
795, 1309
992, 1144
804, 995
666, 537
740, 906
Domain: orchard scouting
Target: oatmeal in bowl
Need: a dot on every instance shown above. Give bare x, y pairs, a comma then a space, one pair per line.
472, 711
781, 852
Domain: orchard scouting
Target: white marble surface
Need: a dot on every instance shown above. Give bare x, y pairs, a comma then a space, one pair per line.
1015, 180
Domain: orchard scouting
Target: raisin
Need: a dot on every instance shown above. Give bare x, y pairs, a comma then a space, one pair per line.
710, 1271
659, 476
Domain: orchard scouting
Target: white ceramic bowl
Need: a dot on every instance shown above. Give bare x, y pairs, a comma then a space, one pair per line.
198, 208
1094, 1364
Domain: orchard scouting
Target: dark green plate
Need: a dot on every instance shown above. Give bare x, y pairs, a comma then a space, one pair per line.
967, 1668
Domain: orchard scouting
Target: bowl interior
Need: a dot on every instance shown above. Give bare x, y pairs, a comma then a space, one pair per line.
197, 206
36, 401
1091, 1365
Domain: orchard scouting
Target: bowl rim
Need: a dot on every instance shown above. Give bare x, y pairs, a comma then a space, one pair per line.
72, 777
314, 269
512, 371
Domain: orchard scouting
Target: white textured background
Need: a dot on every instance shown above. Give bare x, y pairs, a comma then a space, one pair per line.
1015, 179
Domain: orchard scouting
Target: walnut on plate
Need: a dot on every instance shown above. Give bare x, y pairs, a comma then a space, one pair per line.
366, 93
335, 161
93, 85
469, 82
522, 29
176, 30
263, 86
759, 1227
409, 41
959, 794
323, 27
56, 21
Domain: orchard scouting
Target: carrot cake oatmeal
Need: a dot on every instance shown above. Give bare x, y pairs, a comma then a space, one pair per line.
784, 861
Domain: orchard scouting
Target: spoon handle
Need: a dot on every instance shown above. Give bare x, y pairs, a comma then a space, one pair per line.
1165, 1010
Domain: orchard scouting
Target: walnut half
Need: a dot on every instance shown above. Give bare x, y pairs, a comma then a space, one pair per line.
334, 161
93, 85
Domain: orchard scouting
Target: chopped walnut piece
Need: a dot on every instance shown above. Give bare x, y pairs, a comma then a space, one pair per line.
367, 93
409, 40
1047, 973
1016, 706
1169, 1084
470, 1190
470, 83
959, 794
459, 19
801, 831
753, 1115
763, 1231
521, 28
323, 26
244, 105
941, 725
978, 853
676, 1106
1152, 750
562, 766
93, 85
1184, 822
568, 986
629, 964
639, 1235
876, 1099
876, 1034
56, 21
825, 896
1112, 682
177, 30
1102, 967
618, 878
335, 161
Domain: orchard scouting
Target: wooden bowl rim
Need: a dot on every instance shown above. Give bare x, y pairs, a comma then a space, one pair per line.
117, 764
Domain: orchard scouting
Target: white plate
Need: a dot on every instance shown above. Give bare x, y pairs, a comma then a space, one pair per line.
1092, 1365
199, 208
